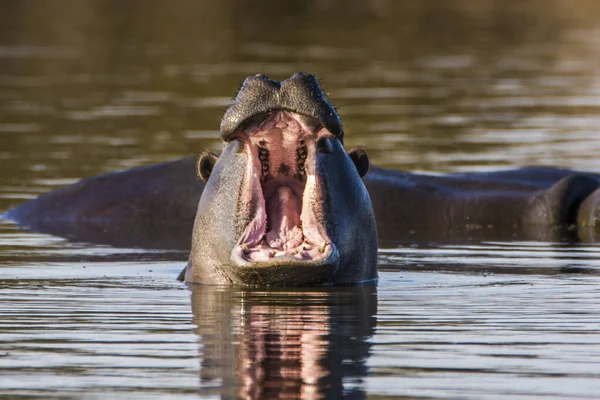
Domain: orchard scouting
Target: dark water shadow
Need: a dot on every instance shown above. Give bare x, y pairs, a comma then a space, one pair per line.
284, 343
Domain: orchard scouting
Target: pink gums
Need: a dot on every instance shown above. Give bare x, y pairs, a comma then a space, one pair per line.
282, 187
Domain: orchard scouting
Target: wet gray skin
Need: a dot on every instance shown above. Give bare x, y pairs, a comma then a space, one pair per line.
284, 204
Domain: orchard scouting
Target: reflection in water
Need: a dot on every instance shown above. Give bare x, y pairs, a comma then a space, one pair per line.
93, 86
286, 343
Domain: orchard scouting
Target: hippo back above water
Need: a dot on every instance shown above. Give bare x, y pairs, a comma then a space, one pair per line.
285, 204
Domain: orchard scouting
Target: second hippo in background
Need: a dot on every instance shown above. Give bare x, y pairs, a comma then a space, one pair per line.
286, 204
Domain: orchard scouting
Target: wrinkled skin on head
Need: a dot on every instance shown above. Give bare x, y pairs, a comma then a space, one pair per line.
284, 204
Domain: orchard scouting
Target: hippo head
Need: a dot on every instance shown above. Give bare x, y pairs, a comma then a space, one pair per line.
284, 204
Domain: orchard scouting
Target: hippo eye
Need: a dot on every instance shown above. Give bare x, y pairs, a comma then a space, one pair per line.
324, 145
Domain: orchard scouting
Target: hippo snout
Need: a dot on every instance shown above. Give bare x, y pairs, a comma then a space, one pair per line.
300, 94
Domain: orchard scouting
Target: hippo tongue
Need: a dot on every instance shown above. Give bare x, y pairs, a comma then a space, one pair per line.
283, 216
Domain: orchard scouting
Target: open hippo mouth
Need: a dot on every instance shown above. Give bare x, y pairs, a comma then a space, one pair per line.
282, 195
284, 203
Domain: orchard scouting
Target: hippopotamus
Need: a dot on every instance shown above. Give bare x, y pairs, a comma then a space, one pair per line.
285, 204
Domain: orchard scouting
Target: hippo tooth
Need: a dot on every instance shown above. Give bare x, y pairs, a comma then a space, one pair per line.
295, 251
245, 248
322, 248
301, 152
272, 253
307, 247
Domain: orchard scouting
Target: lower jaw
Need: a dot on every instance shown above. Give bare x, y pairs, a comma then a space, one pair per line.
286, 271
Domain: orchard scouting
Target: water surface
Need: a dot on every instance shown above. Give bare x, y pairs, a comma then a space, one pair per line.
89, 87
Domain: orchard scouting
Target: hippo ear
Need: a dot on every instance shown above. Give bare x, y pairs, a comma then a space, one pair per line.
206, 162
360, 159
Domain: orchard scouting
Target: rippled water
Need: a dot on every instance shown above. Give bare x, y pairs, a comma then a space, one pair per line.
88, 87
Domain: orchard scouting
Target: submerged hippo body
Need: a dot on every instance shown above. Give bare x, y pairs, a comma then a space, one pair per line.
285, 204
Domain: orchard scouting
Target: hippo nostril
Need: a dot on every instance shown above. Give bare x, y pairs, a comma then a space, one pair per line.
257, 77
324, 145
301, 76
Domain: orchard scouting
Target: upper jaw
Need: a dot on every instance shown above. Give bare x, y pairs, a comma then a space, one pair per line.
282, 195
300, 94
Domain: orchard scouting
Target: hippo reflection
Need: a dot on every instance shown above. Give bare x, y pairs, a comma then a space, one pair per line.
285, 204
284, 343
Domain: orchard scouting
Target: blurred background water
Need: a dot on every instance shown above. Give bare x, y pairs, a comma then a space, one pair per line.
91, 86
